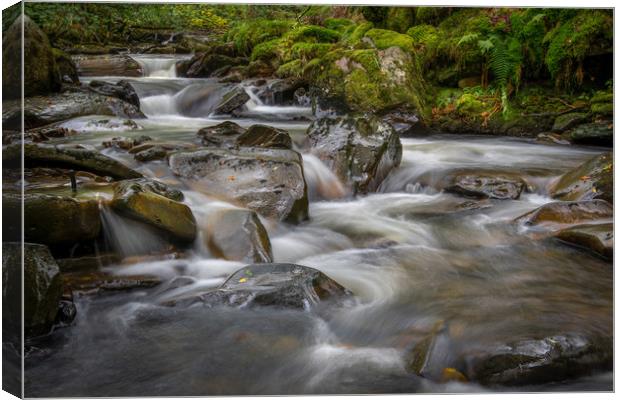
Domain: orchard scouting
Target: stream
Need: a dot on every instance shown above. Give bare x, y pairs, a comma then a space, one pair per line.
411, 255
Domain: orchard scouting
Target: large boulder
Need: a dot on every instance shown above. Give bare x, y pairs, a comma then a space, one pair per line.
121, 89
39, 65
66, 70
238, 235
486, 185
567, 121
157, 205
280, 91
591, 180
205, 64
224, 134
569, 212
598, 238
107, 65
228, 134
51, 219
42, 286
360, 151
597, 133
275, 285
231, 101
268, 181
44, 110
40, 155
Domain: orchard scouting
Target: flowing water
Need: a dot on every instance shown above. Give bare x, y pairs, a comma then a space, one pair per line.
411, 254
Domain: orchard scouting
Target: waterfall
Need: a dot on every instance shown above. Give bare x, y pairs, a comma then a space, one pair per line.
158, 66
322, 182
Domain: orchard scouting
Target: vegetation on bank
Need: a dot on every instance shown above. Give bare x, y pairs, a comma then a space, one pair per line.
478, 65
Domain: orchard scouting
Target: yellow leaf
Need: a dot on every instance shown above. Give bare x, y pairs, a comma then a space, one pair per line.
243, 280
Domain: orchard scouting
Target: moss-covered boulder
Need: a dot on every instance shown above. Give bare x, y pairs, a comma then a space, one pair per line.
157, 205
42, 287
39, 68
268, 181
589, 181
45, 110
567, 121
52, 219
41, 155
360, 151
238, 235
598, 238
597, 133
66, 70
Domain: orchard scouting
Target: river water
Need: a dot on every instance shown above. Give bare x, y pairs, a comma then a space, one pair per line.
411, 254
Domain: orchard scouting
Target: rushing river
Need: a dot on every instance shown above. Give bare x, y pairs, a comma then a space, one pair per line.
411, 255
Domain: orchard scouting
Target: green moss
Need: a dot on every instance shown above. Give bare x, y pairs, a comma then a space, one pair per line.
357, 34
431, 15
602, 97
313, 33
423, 34
293, 69
384, 39
367, 59
361, 92
602, 108
470, 105
248, 34
267, 50
338, 24
399, 19
308, 51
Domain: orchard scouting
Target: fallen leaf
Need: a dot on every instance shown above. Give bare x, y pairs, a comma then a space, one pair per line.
243, 280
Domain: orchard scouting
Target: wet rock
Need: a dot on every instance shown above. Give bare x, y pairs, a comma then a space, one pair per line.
122, 90
403, 119
598, 238
203, 65
221, 135
151, 154
259, 68
232, 100
275, 285
87, 263
52, 219
551, 138
545, 360
39, 155
360, 151
432, 355
238, 235
268, 181
46, 110
42, 286
570, 212
598, 133
589, 181
157, 205
280, 91
486, 185
43, 134
125, 143
97, 282
166, 145
567, 121
265, 136
67, 311
66, 70
107, 65
39, 64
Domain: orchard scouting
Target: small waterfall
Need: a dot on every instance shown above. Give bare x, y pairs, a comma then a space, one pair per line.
158, 66
255, 107
322, 182
127, 237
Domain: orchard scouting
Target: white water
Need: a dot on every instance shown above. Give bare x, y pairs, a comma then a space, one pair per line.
158, 66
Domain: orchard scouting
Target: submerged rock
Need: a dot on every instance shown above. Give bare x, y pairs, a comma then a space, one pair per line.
45, 110
555, 358
598, 238
231, 101
486, 185
591, 180
52, 219
238, 235
42, 286
40, 75
360, 151
275, 285
570, 212
157, 205
39, 155
268, 181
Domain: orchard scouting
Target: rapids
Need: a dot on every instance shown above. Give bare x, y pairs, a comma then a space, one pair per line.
410, 254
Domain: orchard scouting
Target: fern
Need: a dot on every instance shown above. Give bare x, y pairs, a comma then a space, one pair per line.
505, 61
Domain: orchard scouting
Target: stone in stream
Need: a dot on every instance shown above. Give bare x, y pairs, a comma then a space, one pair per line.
567, 121
276, 285
121, 89
597, 133
404, 119
486, 185
238, 235
93, 282
42, 286
598, 238
125, 143
229, 134
51, 219
570, 212
204, 64
44, 110
224, 134
268, 181
40, 75
232, 100
280, 91
40, 155
107, 65
589, 181
434, 358
157, 205
151, 154
535, 361
360, 151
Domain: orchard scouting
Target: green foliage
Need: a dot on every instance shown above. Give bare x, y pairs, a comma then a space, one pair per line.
308, 51
357, 34
292, 69
384, 39
313, 33
248, 34
338, 24
399, 19
376, 15
431, 15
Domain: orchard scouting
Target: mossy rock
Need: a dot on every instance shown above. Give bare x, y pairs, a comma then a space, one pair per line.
292, 69
338, 24
155, 204
602, 97
42, 287
384, 39
606, 109
355, 36
591, 180
65, 69
597, 133
399, 19
470, 105
567, 121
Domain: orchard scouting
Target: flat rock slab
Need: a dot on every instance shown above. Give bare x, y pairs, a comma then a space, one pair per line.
598, 238
491, 186
96, 282
569, 212
268, 181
